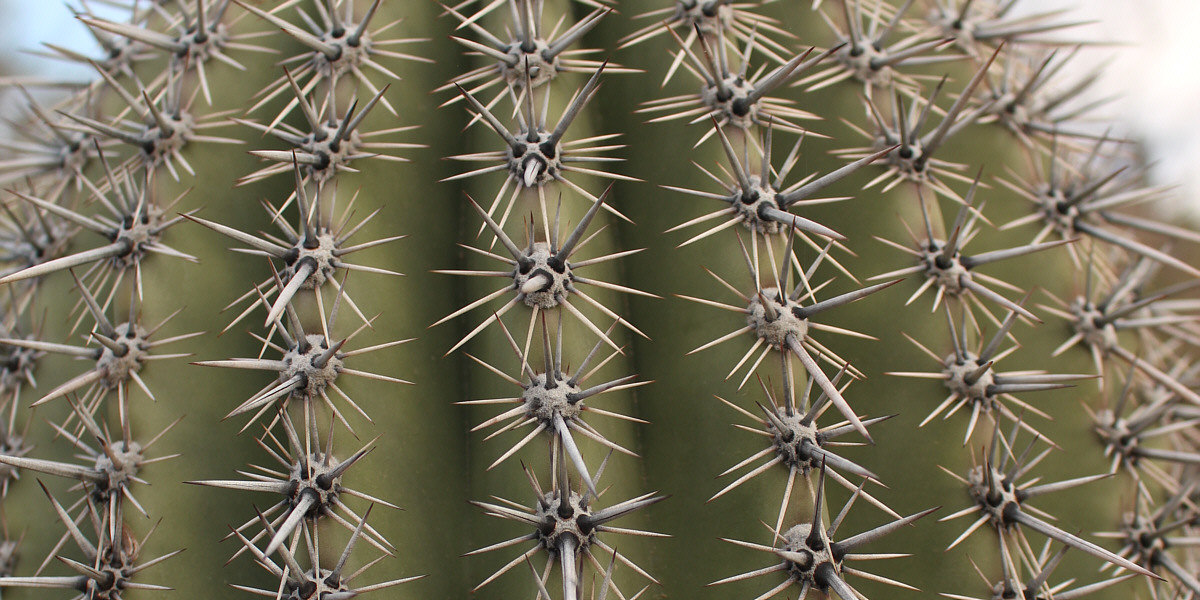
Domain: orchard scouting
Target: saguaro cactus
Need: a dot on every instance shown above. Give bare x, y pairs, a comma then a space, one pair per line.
537, 348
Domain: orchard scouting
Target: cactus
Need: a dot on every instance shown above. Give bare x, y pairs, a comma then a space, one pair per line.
289, 319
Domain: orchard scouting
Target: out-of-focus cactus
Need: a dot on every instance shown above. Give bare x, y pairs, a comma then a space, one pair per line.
547, 389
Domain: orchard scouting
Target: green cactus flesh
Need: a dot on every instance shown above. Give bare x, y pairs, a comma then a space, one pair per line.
589, 313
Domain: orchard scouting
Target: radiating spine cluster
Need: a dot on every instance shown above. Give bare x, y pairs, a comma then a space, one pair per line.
117, 162
110, 187
892, 51
549, 177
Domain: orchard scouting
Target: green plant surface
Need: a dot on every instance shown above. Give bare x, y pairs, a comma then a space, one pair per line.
423, 454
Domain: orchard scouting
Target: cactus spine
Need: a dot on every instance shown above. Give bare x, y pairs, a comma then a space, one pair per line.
579, 368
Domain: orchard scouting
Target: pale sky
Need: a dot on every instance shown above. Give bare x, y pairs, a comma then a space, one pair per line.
28, 23
1155, 78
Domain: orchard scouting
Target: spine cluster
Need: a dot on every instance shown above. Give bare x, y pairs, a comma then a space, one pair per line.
1006, 228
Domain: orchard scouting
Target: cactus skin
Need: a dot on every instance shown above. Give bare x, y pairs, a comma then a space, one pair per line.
427, 460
